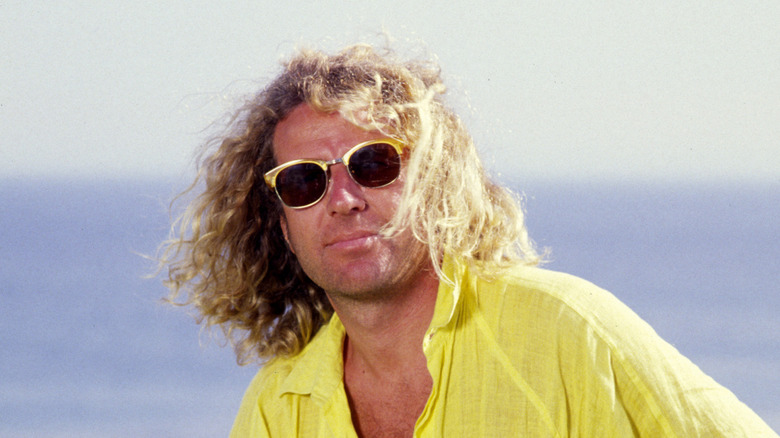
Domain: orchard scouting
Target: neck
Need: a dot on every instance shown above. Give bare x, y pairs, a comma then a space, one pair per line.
384, 336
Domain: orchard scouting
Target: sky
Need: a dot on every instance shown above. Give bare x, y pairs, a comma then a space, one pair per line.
567, 91
660, 91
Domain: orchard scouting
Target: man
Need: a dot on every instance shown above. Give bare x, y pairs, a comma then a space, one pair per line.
348, 235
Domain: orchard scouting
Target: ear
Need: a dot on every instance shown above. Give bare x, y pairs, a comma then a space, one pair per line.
283, 224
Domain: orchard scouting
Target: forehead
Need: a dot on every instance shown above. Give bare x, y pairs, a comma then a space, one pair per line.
307, 133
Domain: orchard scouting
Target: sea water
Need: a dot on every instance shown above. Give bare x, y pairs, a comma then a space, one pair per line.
88, 349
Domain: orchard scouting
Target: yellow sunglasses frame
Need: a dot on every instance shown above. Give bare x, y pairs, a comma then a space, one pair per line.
270, 176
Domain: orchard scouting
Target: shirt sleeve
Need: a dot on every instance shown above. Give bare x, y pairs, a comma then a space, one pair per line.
250, 423
633, 371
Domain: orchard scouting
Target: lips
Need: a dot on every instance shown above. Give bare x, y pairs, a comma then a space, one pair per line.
355, 239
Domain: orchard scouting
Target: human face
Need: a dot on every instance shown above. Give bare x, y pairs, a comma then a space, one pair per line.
337, 240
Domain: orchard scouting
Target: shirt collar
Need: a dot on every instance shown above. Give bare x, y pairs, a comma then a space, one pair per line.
449, 299
319, 368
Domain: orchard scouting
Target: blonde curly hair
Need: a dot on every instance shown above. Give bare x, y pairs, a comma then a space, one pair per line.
227, 252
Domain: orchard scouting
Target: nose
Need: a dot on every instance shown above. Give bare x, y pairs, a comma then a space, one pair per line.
345, 195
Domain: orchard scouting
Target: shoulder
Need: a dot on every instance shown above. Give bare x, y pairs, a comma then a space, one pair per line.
572, 315
271, 401
259, 398
549, 297
600, 350
299, 373
557, 286
269, 380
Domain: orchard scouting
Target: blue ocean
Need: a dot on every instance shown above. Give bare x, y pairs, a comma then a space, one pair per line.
89, 349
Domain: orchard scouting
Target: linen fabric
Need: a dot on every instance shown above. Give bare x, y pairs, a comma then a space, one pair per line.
536, 354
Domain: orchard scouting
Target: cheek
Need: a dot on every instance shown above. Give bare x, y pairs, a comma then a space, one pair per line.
296, 231
391, 198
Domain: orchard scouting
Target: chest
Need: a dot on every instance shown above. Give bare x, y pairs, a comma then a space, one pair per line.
387, 408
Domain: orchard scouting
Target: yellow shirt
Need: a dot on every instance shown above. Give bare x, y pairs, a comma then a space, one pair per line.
537, 354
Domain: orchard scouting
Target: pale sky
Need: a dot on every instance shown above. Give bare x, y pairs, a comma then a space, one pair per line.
559, 90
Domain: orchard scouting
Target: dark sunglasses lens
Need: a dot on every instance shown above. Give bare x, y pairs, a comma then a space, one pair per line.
375, 165
301, 184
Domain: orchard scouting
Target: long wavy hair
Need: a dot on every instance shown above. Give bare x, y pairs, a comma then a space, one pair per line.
227, 254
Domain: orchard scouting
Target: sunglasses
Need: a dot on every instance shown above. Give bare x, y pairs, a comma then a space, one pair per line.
302, 183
